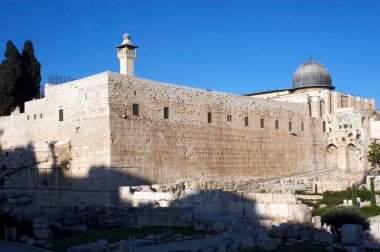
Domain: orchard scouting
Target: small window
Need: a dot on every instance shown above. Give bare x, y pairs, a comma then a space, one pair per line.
345, 126
290, 125
262, 122
41, 115
166, 112
209, 117
135, 109
246, 121
27, 117
276, 124
302, 126
330, 129
35, 116
340, 126
229, 118
324, 126
61, 115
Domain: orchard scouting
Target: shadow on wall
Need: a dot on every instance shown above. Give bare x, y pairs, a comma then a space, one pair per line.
48, 169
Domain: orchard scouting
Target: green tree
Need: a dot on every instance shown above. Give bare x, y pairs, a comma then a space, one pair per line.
374, 154
10, 78
20, 77
31, 73
372, 193
354, 196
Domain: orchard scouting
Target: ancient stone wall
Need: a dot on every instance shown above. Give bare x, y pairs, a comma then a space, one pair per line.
207, 134
217, 204
60, 142
90, 136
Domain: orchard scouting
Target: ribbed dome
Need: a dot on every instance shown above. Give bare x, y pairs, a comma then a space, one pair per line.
312, 74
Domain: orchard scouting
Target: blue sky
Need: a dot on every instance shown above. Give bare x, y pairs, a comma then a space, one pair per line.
229, 46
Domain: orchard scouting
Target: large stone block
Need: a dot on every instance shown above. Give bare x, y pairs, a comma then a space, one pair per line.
40, 223
264, 242
125, 193
322, 236
300, 213
260, 209
352, 234
42, 234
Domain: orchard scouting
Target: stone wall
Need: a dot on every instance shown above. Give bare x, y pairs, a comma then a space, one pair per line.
58, 156
186, 145
312, 182
222, 205
96, 143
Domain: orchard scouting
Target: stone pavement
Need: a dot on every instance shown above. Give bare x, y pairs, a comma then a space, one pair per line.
6, 246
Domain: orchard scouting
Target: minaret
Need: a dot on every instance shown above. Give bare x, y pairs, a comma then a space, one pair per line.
126, 52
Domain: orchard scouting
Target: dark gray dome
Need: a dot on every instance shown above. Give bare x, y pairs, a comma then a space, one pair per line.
312, 74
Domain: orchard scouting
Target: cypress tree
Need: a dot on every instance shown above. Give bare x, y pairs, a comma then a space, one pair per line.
31, 73
372, 192
10, 79
20, 77
354, 196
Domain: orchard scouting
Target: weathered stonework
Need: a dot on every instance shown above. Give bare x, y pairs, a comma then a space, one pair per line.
100, 145
88, 137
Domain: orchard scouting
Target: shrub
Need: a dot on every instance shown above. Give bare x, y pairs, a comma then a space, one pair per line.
338, 216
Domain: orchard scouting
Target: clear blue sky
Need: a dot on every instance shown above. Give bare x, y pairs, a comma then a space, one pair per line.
230, 46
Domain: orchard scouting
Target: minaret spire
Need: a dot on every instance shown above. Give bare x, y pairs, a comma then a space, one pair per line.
126, 52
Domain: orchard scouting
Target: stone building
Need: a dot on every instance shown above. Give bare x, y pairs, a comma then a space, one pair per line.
87, 137
345, 118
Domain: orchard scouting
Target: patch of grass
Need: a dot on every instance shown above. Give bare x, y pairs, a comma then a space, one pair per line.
371, 211
336, 198
112, 235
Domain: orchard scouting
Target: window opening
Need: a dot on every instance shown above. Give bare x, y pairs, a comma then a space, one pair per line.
209, 117
135, 109
166, 113
61, 115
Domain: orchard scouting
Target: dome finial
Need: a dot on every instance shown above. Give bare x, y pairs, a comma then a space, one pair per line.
311, 57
